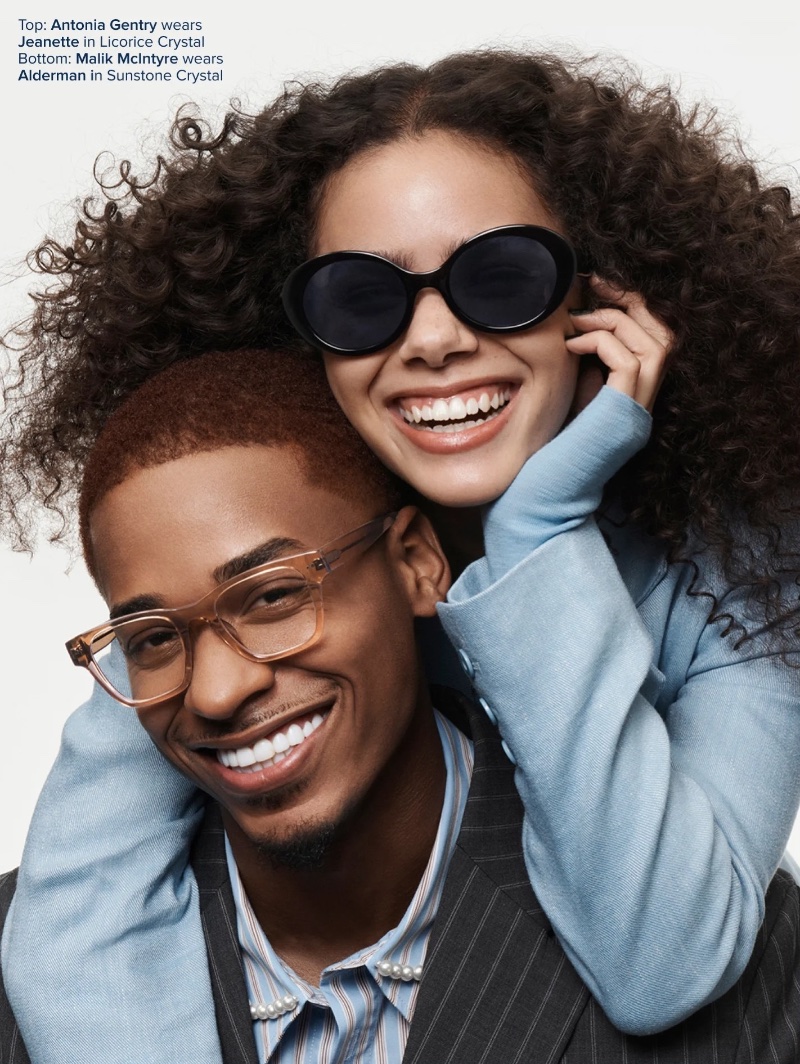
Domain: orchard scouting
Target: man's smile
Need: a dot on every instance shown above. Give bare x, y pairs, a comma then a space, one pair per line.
273, 748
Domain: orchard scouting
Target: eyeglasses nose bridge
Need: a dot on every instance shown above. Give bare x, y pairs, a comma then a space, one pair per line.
196, 624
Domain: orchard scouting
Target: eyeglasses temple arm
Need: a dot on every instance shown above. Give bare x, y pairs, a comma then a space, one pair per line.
330, 559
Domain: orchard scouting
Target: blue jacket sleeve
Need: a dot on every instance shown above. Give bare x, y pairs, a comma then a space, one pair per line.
105, 922
650, 834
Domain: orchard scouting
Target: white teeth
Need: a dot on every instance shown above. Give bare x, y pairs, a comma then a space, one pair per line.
255, 758
295, 735
446, 412
264, 750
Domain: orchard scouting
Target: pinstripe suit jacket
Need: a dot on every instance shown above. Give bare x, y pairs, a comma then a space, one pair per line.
498, 988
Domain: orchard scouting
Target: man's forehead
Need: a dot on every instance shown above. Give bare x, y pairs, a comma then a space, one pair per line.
207, 517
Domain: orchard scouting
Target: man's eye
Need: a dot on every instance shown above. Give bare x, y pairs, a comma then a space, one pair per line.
150, 646
276, 597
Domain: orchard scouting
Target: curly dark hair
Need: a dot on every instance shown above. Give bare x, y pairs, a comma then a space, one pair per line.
659, 198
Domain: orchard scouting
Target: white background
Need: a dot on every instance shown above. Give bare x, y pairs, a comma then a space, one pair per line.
53, 132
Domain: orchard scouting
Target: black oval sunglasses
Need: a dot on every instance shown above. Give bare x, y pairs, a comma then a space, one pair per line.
502, 280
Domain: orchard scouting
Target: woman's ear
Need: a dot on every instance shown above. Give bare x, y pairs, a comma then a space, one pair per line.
421, 561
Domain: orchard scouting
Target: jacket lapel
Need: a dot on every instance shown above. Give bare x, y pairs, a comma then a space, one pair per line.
497, 986
218, 913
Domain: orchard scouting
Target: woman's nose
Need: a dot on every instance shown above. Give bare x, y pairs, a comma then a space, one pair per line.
434, 334
222, 679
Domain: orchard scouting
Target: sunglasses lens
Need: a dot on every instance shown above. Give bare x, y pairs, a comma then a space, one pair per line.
504, 281
355, 304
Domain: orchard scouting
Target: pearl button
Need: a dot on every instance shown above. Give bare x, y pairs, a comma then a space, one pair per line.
507, 752
466, 663
399, 971
487, 709
275, 1008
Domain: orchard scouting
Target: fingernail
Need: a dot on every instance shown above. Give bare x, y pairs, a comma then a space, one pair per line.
581, 310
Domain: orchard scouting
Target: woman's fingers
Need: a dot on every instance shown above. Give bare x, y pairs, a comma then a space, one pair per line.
636, 309
628, 339
623, 364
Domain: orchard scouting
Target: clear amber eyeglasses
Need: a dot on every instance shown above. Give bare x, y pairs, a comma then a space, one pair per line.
267, 613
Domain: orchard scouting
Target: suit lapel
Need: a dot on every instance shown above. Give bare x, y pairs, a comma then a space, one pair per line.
218, 913
497, 986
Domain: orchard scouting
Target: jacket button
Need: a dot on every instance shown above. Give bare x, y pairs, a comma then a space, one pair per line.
487, 709
466, 664
507, 752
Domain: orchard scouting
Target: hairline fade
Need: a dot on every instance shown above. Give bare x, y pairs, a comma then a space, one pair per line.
233, 399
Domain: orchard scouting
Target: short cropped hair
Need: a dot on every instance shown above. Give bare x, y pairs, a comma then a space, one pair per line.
236, 398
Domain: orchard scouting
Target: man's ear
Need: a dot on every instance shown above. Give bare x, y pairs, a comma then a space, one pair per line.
421, 561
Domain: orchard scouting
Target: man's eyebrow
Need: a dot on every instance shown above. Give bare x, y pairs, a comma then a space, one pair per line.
138, 604
260, 555
278, 547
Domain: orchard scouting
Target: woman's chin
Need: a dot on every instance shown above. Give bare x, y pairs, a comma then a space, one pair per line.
464, 491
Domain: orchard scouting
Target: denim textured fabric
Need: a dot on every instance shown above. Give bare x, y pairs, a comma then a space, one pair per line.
103, 884
657, 763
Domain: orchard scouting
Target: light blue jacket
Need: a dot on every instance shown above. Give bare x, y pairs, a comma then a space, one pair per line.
658, 765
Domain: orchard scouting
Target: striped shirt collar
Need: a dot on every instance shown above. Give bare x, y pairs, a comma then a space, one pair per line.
354, 985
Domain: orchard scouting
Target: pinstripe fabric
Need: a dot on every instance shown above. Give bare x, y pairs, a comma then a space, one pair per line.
354, 1013
12, 1051
497, 987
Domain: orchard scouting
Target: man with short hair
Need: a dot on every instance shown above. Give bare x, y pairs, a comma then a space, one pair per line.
362, 883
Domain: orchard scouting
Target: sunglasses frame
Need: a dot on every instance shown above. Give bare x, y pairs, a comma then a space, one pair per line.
313, 566
558, 246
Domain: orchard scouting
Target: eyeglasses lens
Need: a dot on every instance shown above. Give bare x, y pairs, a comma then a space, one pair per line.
503, 281
355, 304
268, 614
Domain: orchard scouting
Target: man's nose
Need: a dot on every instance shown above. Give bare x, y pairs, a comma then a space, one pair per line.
222, 679
434, 334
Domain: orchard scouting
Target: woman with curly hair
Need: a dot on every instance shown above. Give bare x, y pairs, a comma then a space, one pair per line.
508, 262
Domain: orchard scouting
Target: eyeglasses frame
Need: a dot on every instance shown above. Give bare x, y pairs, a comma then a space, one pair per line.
562, 251
313, 566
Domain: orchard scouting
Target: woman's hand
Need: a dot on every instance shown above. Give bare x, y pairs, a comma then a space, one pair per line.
628, 339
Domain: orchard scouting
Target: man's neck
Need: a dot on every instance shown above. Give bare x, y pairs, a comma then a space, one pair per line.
314, 917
